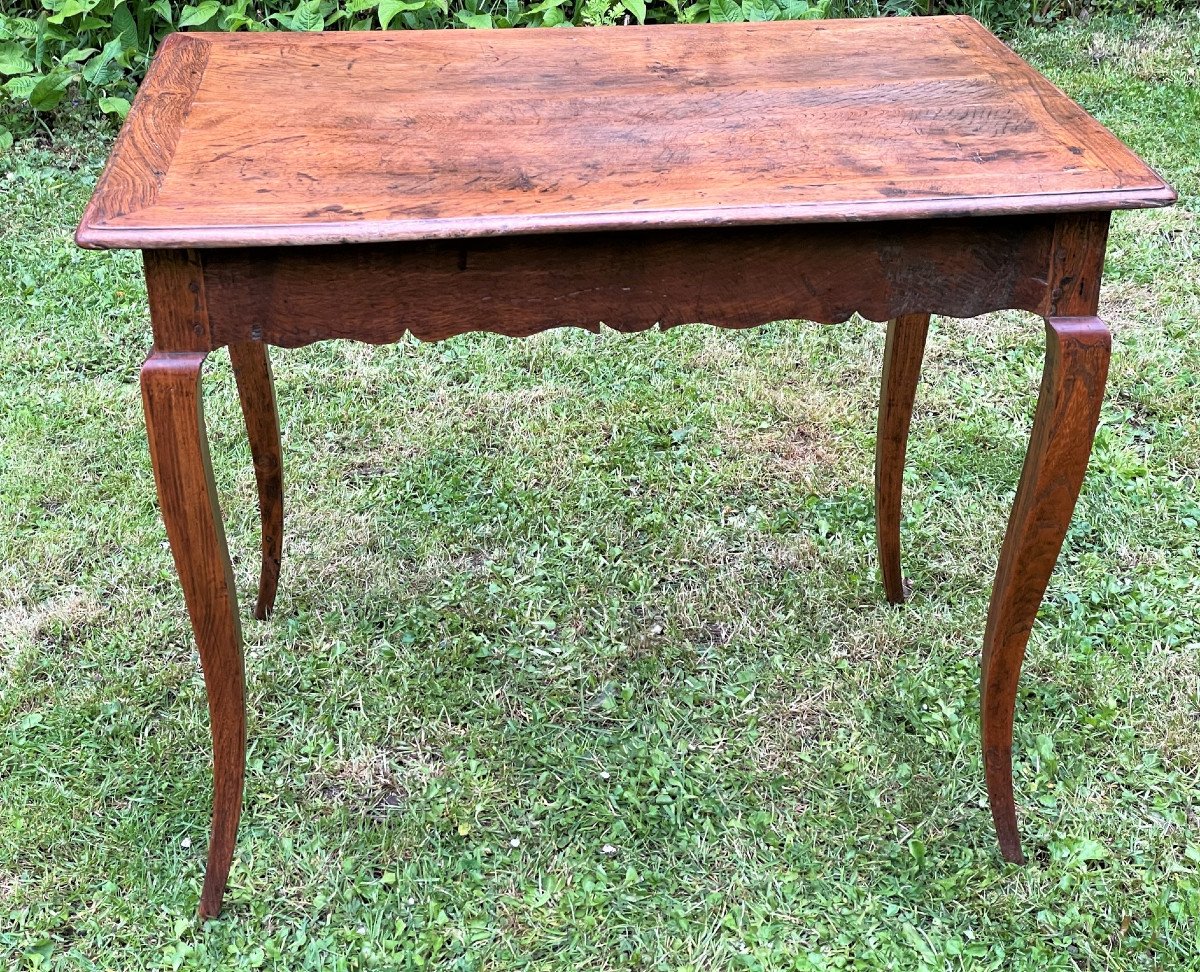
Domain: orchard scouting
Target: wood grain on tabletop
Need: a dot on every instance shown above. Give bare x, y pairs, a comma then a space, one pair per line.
289, 138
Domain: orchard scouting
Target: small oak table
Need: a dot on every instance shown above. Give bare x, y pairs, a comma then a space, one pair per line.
291, 188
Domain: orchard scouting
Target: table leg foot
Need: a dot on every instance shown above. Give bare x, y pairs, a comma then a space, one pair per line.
902, 356
256, 389
1077, 354
171, 395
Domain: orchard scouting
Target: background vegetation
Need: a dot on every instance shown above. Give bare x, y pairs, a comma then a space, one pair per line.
580, 659
97, 50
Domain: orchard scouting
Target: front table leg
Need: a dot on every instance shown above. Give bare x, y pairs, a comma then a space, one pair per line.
179, 451
1077, 353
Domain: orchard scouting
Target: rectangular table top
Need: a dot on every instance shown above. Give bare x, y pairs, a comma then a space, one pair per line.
287, 138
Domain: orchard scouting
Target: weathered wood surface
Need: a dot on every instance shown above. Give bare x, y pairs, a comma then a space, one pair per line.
178, 307
1077, 356
256, 390
258, 139
734, 277
183, 473
903, 352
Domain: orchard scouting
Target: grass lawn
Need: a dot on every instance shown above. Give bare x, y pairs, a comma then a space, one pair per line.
580, 659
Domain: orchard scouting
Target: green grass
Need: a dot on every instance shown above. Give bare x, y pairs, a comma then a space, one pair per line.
580, 660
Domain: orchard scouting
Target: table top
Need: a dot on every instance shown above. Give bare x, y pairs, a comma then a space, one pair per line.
289, 139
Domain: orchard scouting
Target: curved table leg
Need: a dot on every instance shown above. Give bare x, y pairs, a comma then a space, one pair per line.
252, 369
902, 356
1077, 353
179, 451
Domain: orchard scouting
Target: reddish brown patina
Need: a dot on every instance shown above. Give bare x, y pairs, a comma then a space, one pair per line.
514, 181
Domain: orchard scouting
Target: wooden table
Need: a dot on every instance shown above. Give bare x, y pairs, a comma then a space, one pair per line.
291, 188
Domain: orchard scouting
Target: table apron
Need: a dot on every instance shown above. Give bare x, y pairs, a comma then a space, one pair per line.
730, 277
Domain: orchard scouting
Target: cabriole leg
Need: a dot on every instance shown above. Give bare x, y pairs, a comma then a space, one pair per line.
252, 369
171, 395
902, 356
1077, 354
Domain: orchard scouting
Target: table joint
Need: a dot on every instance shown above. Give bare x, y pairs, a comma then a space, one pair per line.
175, 283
